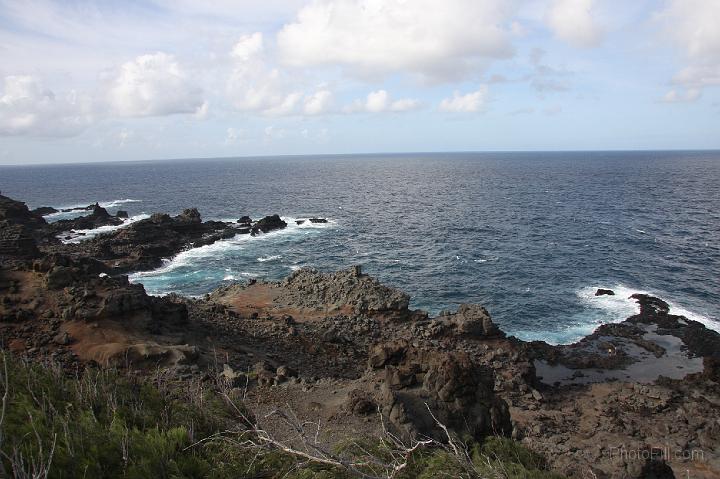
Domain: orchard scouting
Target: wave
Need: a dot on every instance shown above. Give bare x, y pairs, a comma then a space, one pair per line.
197, 255
607, 309
64, 215
622, 306
115, 203
77, 236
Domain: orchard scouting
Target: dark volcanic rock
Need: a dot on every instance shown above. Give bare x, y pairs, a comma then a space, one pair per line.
99, 212
699, 340
14, 241
16, 212
245, 221
308, 288
142, 245
267, 224
121, 214
20, 229
425, 387
98, 217
191, 215
318, 220
604, 292
44, 210
474, 320
79, 208
656, 469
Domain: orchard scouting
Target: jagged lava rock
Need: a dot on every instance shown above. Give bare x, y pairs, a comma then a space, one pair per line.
312, 289
267, 224
458, 391
44, 210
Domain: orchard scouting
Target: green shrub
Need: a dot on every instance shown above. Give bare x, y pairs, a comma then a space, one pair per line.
106, 424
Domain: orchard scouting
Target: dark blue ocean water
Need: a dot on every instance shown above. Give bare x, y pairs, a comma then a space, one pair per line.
528, 235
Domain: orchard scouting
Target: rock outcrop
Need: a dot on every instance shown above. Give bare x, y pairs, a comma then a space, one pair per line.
268, 224
350, 288
425, 389
99, 217
44, 210
142, 245
20, 229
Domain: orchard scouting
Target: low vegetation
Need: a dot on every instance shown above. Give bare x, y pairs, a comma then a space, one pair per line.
107, 424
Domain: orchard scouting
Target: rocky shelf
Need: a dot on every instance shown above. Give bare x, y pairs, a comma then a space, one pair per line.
342, 348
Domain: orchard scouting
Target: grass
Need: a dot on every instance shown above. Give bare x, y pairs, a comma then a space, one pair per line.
108, 424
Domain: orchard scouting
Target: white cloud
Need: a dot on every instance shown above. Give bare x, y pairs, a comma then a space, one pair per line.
248, 47
468, 103
439, 40
203, 110
272, 133
318, 102
678, 96
153, 85
235, 135
28, 108
380, 101
694, 25
572, 21
255, 86
123, 136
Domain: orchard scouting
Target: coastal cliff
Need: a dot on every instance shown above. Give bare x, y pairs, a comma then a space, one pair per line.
638, 398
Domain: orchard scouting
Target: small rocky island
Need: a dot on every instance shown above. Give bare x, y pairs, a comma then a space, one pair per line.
320, 359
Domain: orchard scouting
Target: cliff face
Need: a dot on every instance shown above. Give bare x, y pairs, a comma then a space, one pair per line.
20, 229
341, 348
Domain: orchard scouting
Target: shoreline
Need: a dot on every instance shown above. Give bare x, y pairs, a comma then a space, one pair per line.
352, 345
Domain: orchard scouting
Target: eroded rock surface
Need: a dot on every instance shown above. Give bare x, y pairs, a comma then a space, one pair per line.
342, 348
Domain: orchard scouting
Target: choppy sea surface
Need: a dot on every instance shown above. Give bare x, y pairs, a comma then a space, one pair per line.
529, 235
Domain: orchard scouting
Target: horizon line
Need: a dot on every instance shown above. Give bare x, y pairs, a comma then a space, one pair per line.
378, 153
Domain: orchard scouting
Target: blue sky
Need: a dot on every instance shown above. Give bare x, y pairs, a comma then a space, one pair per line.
135, 80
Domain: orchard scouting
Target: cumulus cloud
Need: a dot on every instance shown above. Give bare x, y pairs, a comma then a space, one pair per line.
439, 40
380, 101
28, 108
467, 103
248, 47
318, 102
679, 96
153, 85
572, 21
695, 27
255, 86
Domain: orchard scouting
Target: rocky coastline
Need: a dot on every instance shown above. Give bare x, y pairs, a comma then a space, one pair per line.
635, 399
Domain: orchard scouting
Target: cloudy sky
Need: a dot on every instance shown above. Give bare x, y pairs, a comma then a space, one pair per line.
134, 80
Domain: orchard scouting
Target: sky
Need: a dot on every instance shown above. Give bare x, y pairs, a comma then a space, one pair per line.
134, 80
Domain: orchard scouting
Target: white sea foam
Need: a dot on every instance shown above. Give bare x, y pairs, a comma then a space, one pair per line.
264, 259
619, 306
116, 203
486, 259
238, 242
77, 236
607, 309
64, 215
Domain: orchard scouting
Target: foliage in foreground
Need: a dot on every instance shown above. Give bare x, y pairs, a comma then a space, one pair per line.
105, 424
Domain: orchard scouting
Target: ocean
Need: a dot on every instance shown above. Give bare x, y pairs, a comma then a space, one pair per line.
530, 236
